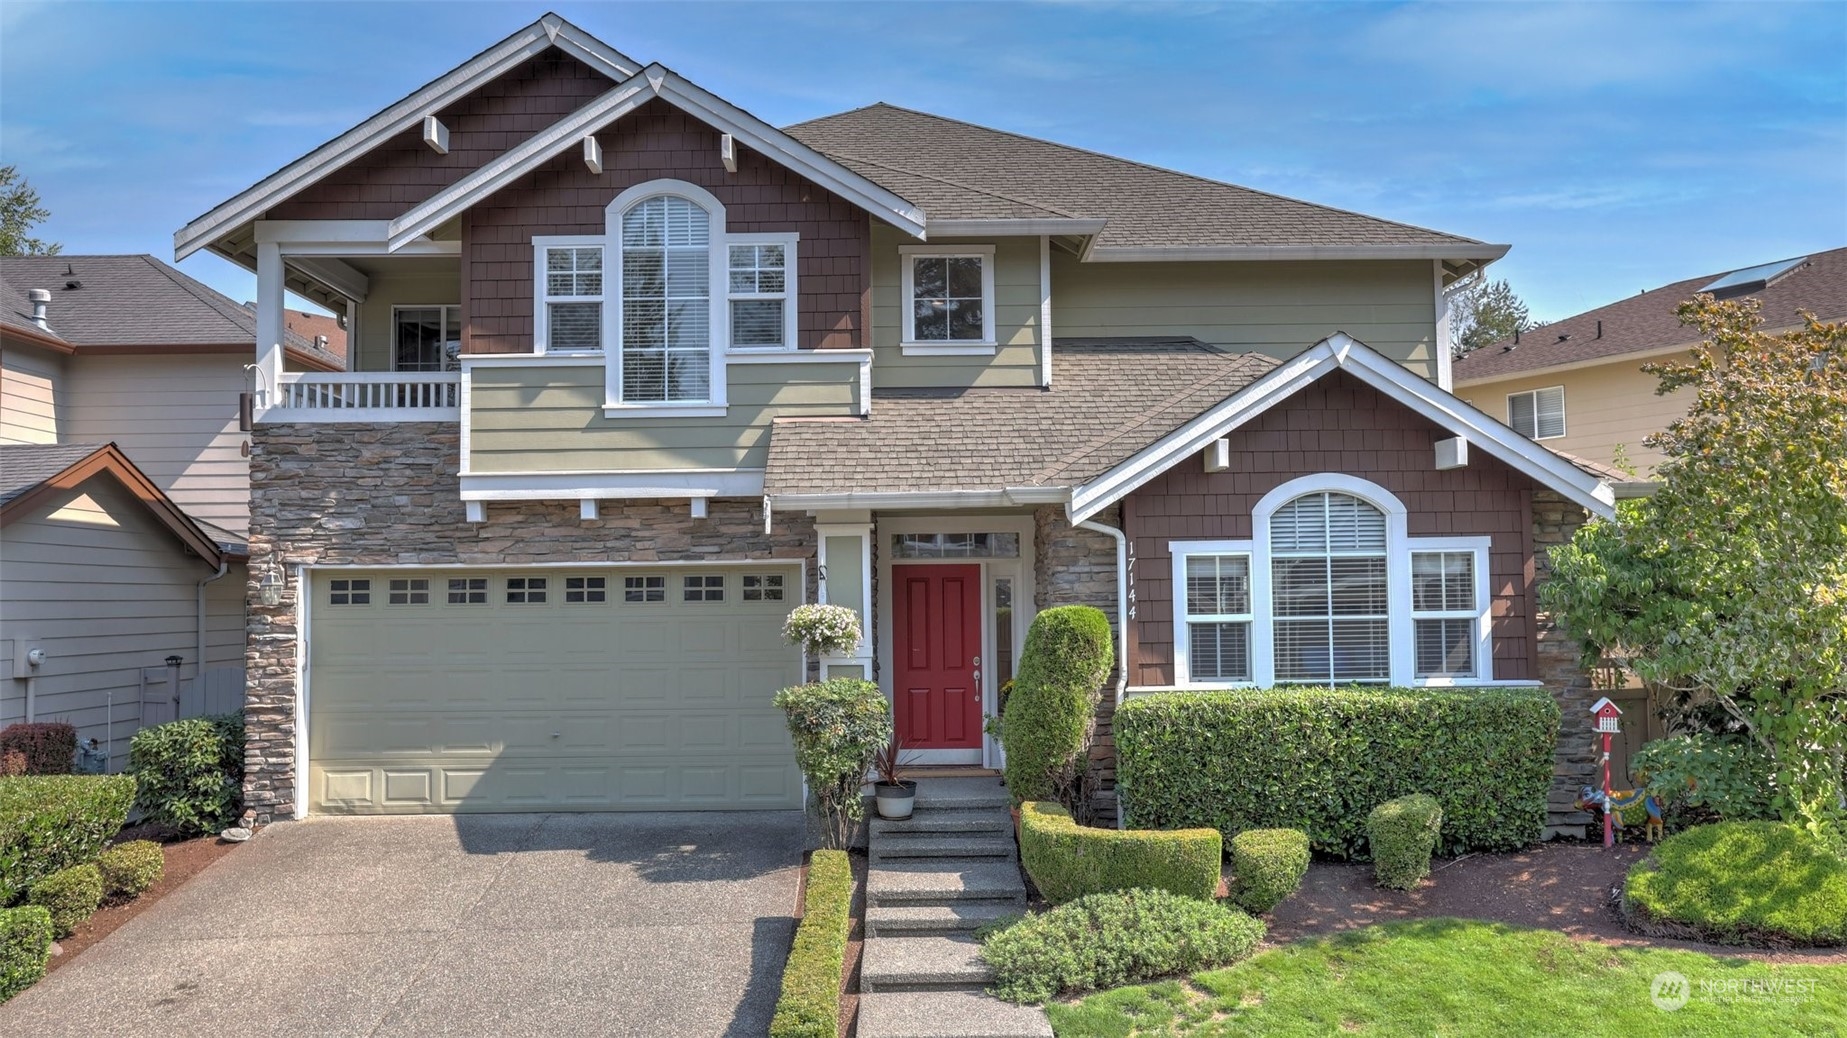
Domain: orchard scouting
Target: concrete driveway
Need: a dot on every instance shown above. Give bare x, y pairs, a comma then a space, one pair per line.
588, 924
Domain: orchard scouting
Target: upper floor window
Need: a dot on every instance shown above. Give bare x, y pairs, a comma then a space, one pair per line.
425, 338
948, 296
1537, 414
666, 302
762, 291
571, 301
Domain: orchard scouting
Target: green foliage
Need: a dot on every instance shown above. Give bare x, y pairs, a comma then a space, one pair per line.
49, 747
1725, 776
838, 726
1267, 866
191, 772
25, 948
1068, 861
1485, 312
809, 1006
20, 211
1402, 833
1743, 883
1729, 585
130, 868
1120, 937
1318, 759
1053, 708
70, 895
51, 822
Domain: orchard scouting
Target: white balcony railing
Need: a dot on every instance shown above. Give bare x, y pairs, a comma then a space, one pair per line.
384, 396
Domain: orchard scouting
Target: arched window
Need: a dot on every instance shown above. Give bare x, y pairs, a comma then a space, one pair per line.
1329, 590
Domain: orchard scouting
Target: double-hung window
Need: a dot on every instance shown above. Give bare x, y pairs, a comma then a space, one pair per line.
1537, 414
1218, 616
948, 298
570, 288
1446, 614
761, 291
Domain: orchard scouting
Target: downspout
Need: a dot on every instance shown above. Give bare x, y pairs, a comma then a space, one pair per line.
1122, 621
198, 665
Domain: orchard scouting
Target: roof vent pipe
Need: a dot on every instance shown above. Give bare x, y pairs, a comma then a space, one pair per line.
41, 298
1599, 329
1516, 336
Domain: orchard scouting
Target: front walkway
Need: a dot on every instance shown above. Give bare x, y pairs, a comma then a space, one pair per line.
607, 924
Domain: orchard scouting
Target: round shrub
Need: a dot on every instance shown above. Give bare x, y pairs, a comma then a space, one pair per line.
1267, 866
130, 868
191, 772
1068, 861
1106, 940
1402, 834
1724, 777
1742, 883
70, 895
25, 948
50, 822
838, 726
1055, 693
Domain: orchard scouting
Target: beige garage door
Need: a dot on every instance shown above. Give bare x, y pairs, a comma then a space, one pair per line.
528, 690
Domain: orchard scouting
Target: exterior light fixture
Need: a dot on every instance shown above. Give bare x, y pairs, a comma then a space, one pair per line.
270, 588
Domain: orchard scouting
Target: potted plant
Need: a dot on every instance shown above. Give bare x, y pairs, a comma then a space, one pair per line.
896, 795
823, 630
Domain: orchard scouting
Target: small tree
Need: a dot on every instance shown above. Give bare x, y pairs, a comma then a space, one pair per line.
1729, 586
19, 213
1053, 708
1484, 312
838, 725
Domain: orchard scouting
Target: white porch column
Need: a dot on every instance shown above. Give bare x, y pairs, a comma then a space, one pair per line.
269, 322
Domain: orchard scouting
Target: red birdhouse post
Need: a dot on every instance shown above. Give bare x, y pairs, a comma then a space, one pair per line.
1608, 716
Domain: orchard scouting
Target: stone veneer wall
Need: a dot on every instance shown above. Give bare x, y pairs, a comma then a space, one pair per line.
1576, 766
376, 494
1072, 566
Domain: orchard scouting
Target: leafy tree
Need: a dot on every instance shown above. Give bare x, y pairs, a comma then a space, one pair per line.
1729, 586
1484, 312
19, 213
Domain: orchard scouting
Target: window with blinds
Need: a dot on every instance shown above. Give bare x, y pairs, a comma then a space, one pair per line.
666, 301
1329, 590
1444, 613
1218, 617
1538, 414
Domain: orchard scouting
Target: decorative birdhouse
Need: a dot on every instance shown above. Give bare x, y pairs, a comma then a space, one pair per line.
1606, 714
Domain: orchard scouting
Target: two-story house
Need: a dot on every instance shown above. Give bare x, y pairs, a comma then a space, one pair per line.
710, 369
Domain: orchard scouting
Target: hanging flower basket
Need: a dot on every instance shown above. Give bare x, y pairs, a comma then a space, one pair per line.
823, 630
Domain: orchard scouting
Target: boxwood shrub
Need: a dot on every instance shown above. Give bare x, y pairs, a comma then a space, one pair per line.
25, 948
191, 772
1055, 694
809, 1006
129, 869
1319, 759
70, 895
51, 822
1402, 833
1765, 883
1267, 866
1068, 861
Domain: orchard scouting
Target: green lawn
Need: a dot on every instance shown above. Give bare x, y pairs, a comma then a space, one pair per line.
1457, 977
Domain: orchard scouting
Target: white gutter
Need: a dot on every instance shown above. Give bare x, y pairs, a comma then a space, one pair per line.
198, 665
1122, 621
1011, 497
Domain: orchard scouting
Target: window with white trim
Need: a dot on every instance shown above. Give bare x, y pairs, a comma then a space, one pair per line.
571, 298
761, 291
666, 301
1328, 590
1445, 615
425, 338
1218, 617
948, 295
1537, 414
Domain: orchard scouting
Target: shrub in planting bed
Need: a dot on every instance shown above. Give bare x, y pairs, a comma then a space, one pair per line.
130, 868
49, 747
51, 822
191, 772
1402, 834
1763, 883
1054, 700
1267, 866
71, 896
25, 948
809, 1006
1068, 861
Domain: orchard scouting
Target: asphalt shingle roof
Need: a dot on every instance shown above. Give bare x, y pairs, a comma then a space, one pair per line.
16, 311
1647, 321
1109, 399
957, 170
26, 465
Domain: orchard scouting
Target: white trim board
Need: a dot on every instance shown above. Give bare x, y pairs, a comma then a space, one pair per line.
560, 486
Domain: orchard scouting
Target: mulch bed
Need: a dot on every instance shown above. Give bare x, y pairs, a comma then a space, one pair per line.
1564, 886
184, 860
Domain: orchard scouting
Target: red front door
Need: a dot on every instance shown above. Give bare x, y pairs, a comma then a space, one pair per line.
936, 656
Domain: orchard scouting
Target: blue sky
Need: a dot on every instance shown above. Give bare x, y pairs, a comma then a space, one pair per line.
1617, 146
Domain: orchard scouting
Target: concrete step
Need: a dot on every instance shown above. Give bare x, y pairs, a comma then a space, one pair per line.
937, 963
923, 920
956, 845
982, 820
948, 1014
944, 881
958, 794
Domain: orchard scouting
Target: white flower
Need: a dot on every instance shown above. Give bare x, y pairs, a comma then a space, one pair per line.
824, 630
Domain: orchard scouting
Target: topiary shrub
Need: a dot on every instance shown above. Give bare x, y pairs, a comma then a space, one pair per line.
1765, 883
70, 895
1402, 833
191, 772
1106, 940
51, 822
1723, 777
1267, 866
130, 868
1068, 861
838, 726
49, 747
1318, 759
25, 948
1049, 716
809, 1006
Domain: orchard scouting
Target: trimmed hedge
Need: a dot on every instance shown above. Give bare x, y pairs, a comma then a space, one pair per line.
1765, 883
1055, 694
809, 1006
1267, 866
70, 895
191, 772
1106, 940
51, 822
49, 747
130, 868
25, 948
1068, 861
1318, 759
1402, 833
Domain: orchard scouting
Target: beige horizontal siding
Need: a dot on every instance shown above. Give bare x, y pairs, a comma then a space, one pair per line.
1609, 408
1016, 318
548, 417
29, 388
424, 284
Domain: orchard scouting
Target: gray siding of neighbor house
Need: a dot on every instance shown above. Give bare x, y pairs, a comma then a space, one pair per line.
31, 383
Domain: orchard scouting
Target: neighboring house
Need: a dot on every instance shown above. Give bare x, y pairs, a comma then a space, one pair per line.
325, 331
1577, 385
710, 369
119, 432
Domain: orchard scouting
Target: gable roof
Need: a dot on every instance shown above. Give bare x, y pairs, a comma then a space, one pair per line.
1646, 323
138, 303
1149, 212
32, 472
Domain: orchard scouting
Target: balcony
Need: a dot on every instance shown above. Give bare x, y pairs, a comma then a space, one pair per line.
363, 396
